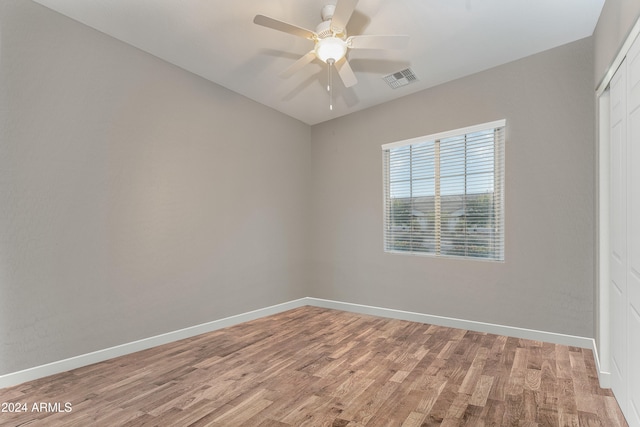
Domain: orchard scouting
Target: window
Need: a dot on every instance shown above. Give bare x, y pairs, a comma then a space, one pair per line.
444, 193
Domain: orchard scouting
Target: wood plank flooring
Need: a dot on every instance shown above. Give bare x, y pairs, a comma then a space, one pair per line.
318, 367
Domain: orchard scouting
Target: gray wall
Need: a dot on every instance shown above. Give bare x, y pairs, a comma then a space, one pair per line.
615, 22
546, 282
135, 198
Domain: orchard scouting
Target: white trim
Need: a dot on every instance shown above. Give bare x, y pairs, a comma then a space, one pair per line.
622, 53
451, 322
19, 377
603, 234
52, 368
604, 376
447, 134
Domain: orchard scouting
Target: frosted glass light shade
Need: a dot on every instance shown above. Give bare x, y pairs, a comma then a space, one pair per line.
331, 48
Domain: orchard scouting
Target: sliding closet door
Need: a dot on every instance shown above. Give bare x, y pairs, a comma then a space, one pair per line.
625, 235
633, 234
618, 238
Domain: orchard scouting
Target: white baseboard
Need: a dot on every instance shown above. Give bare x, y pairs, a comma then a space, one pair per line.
57, 367
451, 322
30, 374
604, 377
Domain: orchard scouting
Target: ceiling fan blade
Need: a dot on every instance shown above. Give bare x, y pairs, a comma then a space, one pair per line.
275, 24
342, 14
297, 66
378, 42
346, 73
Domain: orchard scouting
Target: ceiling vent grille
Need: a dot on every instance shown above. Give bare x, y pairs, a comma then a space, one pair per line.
401, 78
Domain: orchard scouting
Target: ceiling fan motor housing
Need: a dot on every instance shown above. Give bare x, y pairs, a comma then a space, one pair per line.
323, 29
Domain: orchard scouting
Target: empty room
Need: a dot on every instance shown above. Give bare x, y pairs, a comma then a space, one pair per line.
319, 213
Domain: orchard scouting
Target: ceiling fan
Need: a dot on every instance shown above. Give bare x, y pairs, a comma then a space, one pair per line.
331, 42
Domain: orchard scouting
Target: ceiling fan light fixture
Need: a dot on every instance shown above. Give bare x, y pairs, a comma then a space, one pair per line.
331, 48
331, 42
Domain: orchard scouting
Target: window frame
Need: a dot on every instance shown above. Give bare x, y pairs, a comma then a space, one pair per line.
498, 189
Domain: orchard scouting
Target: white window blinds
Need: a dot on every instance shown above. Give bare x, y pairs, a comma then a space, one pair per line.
444, 193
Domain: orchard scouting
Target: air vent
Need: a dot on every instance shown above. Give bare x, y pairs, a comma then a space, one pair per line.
401, 78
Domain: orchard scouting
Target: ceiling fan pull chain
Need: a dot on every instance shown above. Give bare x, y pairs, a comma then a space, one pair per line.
330, 62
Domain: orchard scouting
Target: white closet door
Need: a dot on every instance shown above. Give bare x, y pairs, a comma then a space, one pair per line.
618, 238
633, 234
625, 235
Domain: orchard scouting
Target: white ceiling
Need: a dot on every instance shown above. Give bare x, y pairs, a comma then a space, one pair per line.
218, 40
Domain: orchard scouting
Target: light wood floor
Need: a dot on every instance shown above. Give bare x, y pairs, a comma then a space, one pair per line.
318, 367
